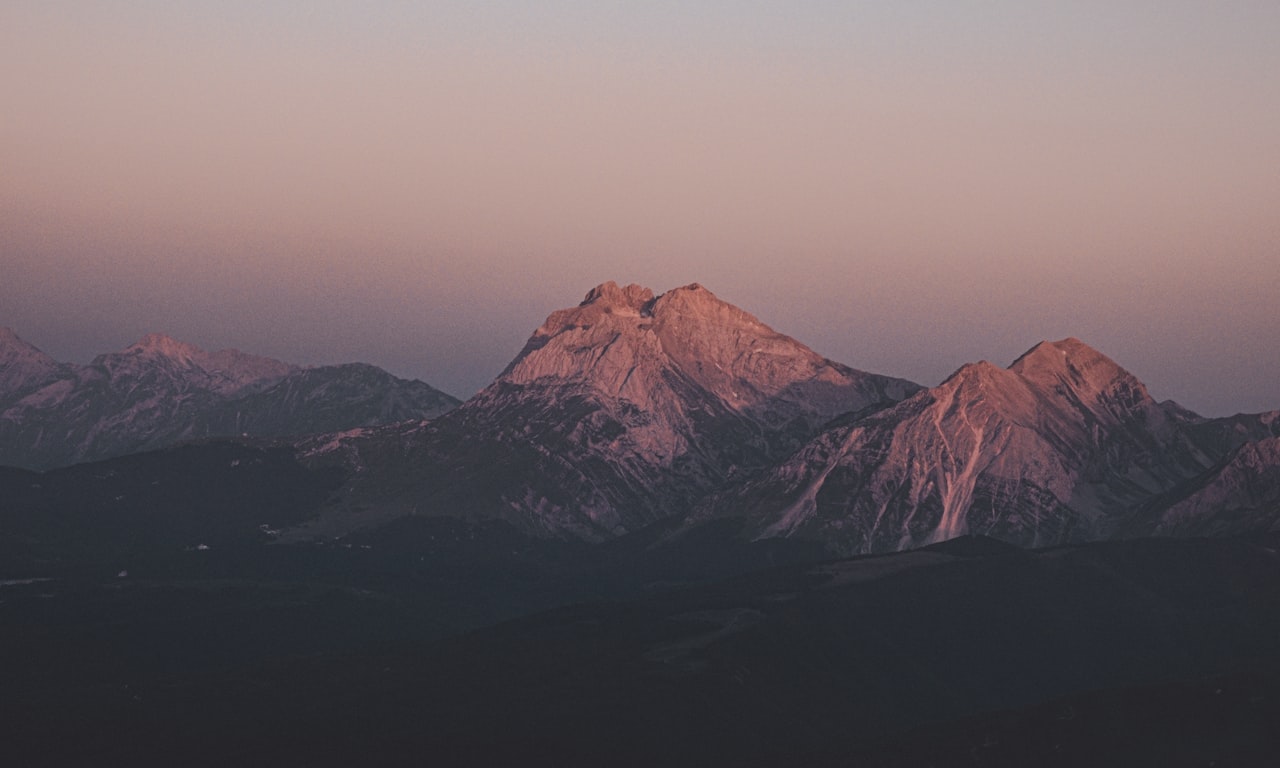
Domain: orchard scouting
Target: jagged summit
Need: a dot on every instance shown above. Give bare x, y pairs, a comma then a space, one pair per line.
1053, 382
627, 342
1070, 372
632, 344
609, 294
166, 346
981, 372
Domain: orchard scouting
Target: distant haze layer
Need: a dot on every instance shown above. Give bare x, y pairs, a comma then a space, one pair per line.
904, 187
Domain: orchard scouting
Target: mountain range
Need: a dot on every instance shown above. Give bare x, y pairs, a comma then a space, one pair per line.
160, 391
665, 534
1062, 446
631, 409
680, 410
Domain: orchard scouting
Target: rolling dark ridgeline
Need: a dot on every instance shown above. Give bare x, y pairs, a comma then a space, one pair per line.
1114, 653
665, 535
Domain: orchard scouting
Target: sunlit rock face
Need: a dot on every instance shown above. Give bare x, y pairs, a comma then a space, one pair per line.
1064, 445
619, 412
621, 342
161, 391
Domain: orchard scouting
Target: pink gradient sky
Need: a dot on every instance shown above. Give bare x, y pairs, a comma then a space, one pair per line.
417, 185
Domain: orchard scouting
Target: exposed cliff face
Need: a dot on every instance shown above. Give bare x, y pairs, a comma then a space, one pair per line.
619, 412
1240, 496
1061, 446
160, 391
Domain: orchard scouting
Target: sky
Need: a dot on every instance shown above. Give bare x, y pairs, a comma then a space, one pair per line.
904, 186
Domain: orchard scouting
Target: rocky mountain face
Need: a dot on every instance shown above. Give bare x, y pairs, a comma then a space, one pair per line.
23, 368
161, 391
619, 412
1062, 446
1241, 495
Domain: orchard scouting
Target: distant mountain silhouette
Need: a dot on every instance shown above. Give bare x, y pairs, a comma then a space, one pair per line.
160, 391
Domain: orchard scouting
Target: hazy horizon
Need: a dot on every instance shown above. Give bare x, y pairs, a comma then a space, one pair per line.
905, 188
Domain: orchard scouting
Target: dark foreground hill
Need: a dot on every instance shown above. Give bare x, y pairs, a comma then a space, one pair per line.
968, 653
